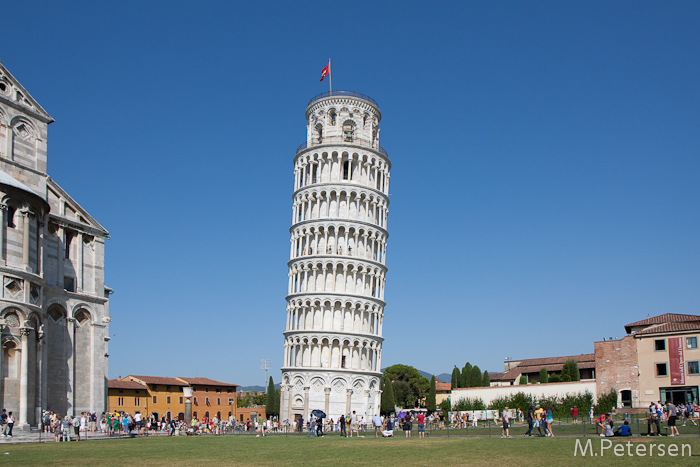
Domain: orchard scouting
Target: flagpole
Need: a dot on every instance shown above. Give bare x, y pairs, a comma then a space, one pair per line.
330, 76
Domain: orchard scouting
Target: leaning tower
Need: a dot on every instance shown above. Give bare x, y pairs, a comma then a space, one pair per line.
335, 302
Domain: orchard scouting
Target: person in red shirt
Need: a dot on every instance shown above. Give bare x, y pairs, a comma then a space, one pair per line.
574, 414
421, 425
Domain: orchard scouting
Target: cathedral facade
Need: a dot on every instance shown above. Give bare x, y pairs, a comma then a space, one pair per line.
337, 266
54, 306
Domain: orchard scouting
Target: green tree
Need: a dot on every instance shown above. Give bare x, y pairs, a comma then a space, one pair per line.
270, 399
555, 378
466, 375
475, 380
543, 375
486, 381
407, 395
243, 402
571, 368
387, 403
606, 402
455, 379
431, 403
564, 375
446, 407
258, 398
523, 379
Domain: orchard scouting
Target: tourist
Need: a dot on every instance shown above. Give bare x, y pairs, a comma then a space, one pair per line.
341, 423
505, 418
550, 420
46, 421
83, 422
310, 426
539, 421
10, 424
421, 425
66, 427
3, 422
624, 430
76, 427
407, 425
672, 416
475, 420
354, 428
609, 429
591, 415
319, 427
530, 421
377, 422
688, 414
601, 421
574, 414
389, 431
56, 427
653, 419
301, 424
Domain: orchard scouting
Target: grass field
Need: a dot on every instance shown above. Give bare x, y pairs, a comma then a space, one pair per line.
332, 450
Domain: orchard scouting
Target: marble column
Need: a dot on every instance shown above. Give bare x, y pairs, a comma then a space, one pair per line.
327, 404
24, 377
306, 403
348, 400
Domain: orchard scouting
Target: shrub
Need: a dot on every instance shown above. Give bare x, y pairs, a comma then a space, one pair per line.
523, 379
555, 379
543, 375
469, 404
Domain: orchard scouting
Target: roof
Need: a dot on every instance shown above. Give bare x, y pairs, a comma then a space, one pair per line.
206, 382
123, 384
7, 179
669, 327
159, 380
443, 387
665, 319
534, 365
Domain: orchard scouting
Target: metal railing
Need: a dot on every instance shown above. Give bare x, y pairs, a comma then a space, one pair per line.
343, 93
342, 139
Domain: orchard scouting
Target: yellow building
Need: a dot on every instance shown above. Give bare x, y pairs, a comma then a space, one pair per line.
212, 398
126, 396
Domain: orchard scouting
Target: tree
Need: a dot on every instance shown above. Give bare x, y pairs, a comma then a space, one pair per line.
466, 375
270, 402
571, 368
523, 379
486, 381
543, 375
387, 403
455, 379
475, 380
446, 407
431, 403
409, 385
555, 378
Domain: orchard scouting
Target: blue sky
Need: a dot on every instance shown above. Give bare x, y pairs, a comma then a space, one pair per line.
544, 188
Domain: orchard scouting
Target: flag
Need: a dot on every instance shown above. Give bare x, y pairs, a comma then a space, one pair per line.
326, 71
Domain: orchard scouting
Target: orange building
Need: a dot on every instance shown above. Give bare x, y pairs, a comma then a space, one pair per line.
163, 396
212, 398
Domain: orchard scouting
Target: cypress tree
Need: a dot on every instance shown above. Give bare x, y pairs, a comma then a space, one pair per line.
387, 402
431, 402
455, 379
270, 403
475, 380
486, 382
467, 375
543, 375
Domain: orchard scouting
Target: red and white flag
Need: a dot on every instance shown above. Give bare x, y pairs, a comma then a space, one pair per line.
326, 71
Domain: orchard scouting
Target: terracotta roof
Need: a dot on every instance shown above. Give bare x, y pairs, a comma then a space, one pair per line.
670, 327
159, 380
123, 384
663, 319
443, 387
534, 365
205, 382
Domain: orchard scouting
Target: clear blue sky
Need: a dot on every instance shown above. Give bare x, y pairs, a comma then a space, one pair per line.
545, 177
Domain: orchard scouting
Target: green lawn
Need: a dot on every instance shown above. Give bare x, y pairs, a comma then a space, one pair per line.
331, 450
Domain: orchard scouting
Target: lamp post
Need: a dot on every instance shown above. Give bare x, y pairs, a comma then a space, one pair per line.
187, 392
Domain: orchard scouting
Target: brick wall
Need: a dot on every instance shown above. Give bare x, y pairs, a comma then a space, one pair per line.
617, 367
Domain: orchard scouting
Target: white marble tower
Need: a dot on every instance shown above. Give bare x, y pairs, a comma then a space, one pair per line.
335, 302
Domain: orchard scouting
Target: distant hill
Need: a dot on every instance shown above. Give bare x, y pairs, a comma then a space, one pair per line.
255, 388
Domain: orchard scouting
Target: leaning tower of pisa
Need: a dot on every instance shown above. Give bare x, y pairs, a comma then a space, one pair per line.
335, 302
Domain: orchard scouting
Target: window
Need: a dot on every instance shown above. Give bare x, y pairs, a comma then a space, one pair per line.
206, 389
182, 400
229, 390
11, 217
155, 399
230, 400
68, 239
346, 170
167, 399
121, 401
69, 284
660, 344
694, 368
691, 342
194, 388
155, 387
661, 369
206, 400
121, 391
136, 401
218, 390
167, 388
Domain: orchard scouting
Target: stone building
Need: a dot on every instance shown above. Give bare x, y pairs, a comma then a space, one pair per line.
53, 302
337, 268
